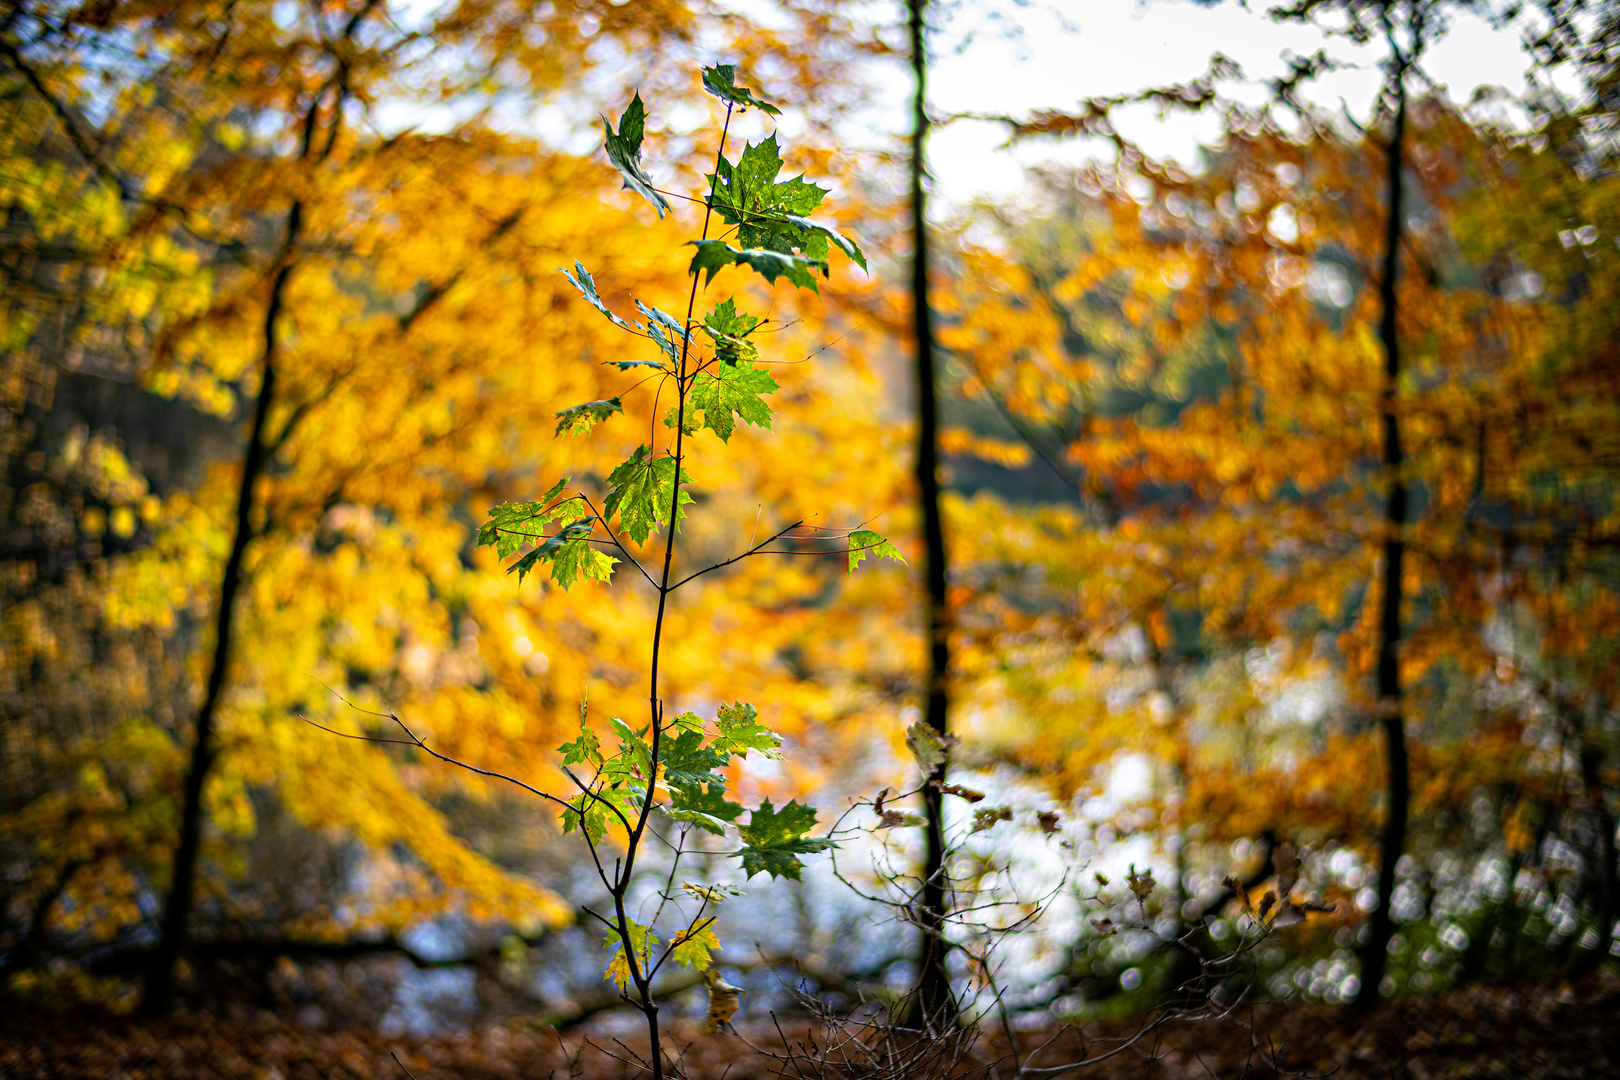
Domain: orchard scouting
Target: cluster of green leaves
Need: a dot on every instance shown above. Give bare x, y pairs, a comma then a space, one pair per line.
774, 839
513, 526
688, 785
690, 947
677, 768
770, 214
774, 236
715, 386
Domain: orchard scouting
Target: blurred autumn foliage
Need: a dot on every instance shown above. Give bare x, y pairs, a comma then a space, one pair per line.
420, 340
1166, 495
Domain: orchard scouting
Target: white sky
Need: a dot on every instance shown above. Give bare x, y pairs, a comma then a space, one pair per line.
1013, 57
1066, 50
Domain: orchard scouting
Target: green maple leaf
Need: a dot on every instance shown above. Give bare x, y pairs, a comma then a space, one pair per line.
782, 862
635, 756
720, 80
845, 244
724, 318
747, 195
729, 330
864, 542
705, 806
687, 721
774, 839
744, 188
715, 255
627, 798
642, 942
687, 763
642, 488
733, 350
585, 750
575, 559
512, 525
570, 554
624, 150
587, 288
663, 318
580, 419
741, 732
770, 216
665, 330
727, 392
691, 948
769, 827
587, 815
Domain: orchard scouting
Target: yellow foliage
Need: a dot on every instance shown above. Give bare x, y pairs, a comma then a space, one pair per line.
425, 342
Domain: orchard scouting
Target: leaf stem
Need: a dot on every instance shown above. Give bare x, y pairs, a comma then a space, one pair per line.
416, 741
616, 542
737, 558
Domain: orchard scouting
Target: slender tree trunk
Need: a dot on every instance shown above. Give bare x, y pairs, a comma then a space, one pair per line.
1609, 864
934, 988
158, 994
1399, 790
1606, 874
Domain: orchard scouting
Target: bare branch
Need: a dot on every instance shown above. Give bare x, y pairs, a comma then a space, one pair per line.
413, 740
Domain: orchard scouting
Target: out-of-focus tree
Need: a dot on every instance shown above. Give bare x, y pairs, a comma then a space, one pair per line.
934, 998
1546, 497
1195, 353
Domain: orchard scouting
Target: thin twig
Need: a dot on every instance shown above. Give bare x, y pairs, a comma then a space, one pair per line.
416, 741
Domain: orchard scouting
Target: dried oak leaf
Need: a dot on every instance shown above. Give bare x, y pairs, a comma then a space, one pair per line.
722, 1000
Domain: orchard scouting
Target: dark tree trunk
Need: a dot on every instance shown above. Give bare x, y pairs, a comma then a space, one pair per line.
934, 996
158, 994
1605, 872
1392, 840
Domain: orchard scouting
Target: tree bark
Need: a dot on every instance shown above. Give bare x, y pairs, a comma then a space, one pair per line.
158, 993
934, 997
1398, 791
1605, 871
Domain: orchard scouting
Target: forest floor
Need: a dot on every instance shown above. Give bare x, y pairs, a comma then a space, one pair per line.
1525, 1032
